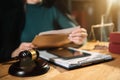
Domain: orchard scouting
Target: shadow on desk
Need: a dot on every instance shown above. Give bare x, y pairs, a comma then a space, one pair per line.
5, 76
103, 71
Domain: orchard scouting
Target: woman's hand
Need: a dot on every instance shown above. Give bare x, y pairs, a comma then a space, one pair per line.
23, 46
78, 35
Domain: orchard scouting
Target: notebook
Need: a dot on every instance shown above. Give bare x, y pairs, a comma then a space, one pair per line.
71, 58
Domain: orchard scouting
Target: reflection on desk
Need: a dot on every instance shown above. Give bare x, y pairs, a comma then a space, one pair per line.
104, 71
5, 76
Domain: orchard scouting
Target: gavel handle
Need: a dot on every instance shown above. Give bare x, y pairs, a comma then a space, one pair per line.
11, 61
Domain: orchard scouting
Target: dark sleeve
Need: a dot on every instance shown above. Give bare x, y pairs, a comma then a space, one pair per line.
12, 19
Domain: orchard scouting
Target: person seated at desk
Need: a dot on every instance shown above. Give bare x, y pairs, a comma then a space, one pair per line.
40, 17
45, 15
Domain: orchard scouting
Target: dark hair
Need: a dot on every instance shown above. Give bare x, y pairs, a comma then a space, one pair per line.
61, 5
48, 3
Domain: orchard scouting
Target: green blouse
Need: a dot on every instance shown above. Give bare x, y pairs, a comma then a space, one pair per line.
40, 19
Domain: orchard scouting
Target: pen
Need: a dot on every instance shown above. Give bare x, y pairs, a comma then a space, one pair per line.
82, 51
74, 49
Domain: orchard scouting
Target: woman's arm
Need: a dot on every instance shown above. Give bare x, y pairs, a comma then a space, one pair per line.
62, 31
76, 34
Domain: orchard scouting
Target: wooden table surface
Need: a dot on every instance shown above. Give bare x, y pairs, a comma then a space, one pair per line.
103, 71
5, 76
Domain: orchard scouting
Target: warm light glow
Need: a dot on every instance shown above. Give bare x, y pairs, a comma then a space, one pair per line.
110, 3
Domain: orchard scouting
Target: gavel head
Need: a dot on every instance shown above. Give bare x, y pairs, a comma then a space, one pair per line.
33, 54
29, 64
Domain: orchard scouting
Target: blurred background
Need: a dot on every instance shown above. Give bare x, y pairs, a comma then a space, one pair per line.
90, 12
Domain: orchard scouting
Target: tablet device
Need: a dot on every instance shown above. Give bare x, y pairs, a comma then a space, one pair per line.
67, 53
67, 57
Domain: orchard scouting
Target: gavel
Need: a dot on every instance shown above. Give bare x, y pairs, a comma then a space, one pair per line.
29, 64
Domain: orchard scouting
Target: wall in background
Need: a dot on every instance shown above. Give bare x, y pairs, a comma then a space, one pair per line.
89, 12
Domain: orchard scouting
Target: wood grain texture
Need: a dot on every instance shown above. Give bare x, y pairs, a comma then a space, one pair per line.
5, 76
103, 71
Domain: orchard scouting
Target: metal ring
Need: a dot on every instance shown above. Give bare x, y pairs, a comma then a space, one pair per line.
33, 53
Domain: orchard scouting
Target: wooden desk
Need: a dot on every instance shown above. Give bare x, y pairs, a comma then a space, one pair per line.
103, 71
5, 76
